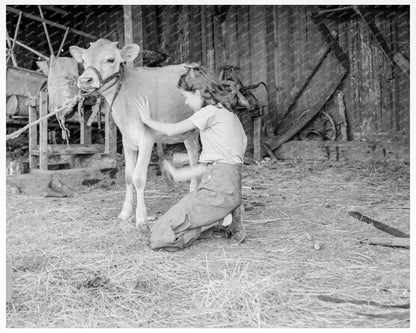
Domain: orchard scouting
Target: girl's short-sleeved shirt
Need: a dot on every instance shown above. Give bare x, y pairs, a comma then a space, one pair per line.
222, 135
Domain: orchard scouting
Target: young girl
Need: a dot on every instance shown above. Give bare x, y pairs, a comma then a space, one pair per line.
223, 145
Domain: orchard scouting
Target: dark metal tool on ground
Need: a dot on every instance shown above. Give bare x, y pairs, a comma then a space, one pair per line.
362, 302
379, 225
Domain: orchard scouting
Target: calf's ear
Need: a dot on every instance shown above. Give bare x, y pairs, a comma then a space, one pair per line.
130, 52
76, 52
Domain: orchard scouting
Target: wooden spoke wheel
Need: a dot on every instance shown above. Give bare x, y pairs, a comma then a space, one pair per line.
322, 127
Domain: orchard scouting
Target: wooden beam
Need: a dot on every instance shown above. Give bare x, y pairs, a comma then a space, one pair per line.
54, 24
332, 42
395, 59
43, 131
56, 10
307, 115
30, 49
33, 134
403, 64
46, 32
11, 54
62, 43
70, 149
326, 11
371, 25
294, 95
15, 35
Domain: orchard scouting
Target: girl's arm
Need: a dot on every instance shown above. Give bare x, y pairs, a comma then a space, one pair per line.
159, 126
183, 174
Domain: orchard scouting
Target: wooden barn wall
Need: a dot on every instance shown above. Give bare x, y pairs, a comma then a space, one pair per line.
274, 44
279, 45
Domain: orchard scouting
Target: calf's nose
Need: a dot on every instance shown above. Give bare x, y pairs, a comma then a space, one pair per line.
85, 80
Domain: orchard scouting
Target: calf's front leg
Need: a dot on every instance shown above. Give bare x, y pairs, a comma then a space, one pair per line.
130, 157
139, 178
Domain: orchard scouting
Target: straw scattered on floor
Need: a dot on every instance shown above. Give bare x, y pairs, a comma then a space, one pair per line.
74, 266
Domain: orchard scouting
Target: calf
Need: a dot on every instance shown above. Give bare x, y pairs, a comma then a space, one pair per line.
106, 74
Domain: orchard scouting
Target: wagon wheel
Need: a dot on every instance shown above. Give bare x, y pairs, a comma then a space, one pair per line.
322, 127
325, 125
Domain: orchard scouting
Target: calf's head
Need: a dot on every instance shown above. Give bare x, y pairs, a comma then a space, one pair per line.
62, 75
101, 61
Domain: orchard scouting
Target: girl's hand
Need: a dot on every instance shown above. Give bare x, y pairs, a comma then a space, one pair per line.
169, 169
143, 107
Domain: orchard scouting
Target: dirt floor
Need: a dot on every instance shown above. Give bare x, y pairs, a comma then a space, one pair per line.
302, 264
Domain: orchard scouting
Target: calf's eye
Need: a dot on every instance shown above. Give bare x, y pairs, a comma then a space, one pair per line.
110, 60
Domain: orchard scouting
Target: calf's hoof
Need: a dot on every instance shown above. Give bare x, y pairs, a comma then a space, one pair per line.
121, 220
140, 221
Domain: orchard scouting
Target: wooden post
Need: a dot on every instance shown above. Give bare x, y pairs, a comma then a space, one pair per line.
331, 41
110, 147
128, 24
339, 100
82, 125
33, 134
43, 131
87, 128
128, 30
257, 138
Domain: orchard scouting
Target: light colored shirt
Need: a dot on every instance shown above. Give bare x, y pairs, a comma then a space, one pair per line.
222, 135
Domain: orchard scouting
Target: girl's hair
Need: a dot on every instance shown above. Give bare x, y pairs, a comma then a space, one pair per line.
211, 89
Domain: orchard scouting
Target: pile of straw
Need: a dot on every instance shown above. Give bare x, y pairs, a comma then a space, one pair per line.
75, 267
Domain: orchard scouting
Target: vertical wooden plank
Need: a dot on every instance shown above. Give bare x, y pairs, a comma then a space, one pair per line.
150, 36
195, 31
271, 69
128, 23
352, 91
257, 138
87, 129
204, 35
258, 68
244, 40
128, 30
173, 35
82, 125
43, 131
209, 33
33, 135
110, 145
232, 46
402, 88
395, 119
282, 60
220, 38
183, 34
258, 51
